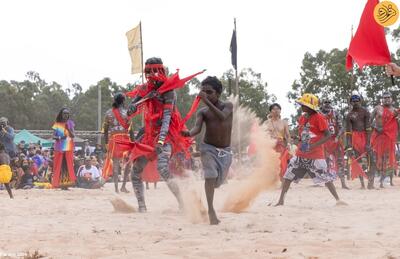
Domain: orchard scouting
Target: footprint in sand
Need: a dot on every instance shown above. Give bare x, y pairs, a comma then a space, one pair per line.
120, 206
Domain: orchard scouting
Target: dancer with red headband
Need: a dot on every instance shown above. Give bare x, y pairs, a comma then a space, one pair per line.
163, 124
384, 137
116, 127
358, 135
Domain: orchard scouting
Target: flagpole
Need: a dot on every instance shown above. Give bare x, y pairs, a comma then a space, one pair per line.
238, 96
141, 57
352, 71
141, 49
99, 113
236, 74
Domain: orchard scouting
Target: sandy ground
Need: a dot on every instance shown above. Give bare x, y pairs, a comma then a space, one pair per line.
82, 224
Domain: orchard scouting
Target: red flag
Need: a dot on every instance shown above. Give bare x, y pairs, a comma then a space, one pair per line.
195, 104
174, 82
369, 46
356, 170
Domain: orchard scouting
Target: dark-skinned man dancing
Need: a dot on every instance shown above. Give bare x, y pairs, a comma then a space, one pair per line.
216, 154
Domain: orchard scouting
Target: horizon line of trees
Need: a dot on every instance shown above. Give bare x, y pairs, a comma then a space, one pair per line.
34, 103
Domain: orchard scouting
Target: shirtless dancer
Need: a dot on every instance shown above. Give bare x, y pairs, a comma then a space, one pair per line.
5, 167
278, 129
384, 137
358, 135
116, 127
216, 154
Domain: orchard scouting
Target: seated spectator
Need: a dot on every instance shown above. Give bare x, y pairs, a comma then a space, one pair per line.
25, 180
21, 149
98, 152
31, 150
46, 154
39, 161
39, 145
89, 176
48, 174
44, 179
95, 162
78, 162
16, 169
86, 148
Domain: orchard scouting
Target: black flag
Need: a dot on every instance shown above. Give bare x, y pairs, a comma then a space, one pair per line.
233, 50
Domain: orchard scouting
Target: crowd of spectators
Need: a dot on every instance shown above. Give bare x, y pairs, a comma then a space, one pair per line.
32, 164
32, 167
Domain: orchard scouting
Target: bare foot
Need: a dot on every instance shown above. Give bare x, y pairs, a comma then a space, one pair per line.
142, 209
341, 203
370, 186
123, 189
280, 203
345, 187
213, 218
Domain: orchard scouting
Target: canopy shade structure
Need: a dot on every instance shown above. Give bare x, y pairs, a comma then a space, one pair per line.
25, 135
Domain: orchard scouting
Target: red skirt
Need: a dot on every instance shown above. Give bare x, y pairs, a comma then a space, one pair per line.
284, 157
63, 169
114, 150
359, 140
150, 172
333, 150
385, 151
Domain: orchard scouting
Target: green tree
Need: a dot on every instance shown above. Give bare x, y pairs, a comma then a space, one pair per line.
324, 74
86, 104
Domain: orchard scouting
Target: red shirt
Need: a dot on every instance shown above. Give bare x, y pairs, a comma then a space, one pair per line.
318, 125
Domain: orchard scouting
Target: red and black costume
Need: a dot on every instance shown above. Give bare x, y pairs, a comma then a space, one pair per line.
163, 124
334, 150
116, 130
358, 139
384, 143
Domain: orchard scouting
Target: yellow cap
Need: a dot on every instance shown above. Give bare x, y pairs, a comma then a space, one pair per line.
309, 100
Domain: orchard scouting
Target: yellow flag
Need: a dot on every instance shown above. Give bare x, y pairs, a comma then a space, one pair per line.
135, 49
